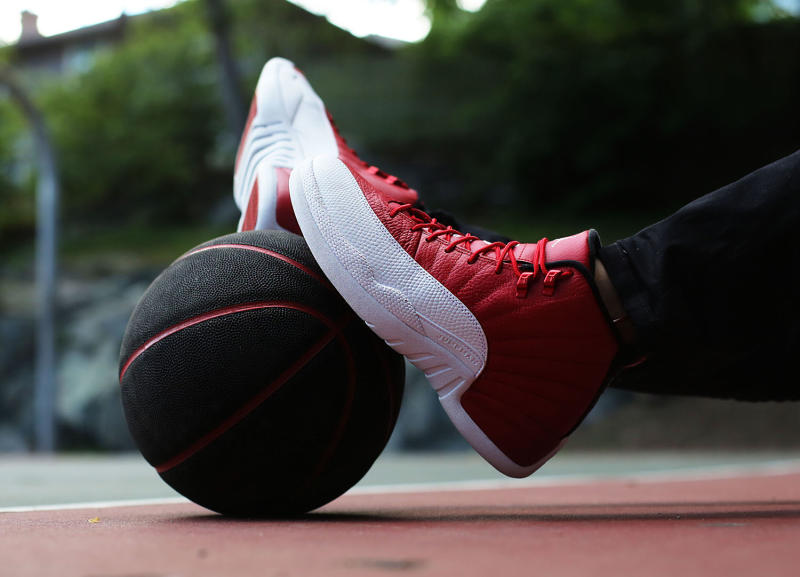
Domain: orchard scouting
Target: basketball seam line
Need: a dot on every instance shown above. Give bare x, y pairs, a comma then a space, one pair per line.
255, 401
312, 273
344, 420
244, 307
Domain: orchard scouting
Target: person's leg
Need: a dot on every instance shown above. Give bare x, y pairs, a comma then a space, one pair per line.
520, 339
711, 291
706, 296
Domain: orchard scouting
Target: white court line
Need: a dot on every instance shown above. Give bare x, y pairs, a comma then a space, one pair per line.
765, 469
96, 505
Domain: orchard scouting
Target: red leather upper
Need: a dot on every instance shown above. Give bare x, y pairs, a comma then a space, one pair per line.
398, 189
250, 117
549, 354
284, 213
251, 213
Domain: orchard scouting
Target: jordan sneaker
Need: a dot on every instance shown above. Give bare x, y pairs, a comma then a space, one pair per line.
287, 123
513, 337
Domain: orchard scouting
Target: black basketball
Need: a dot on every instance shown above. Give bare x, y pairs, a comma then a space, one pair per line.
250, 385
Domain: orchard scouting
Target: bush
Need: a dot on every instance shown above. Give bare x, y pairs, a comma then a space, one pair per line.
17, 198
608, 104
136, 133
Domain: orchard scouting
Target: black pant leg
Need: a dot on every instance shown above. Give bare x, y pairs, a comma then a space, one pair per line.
713, 291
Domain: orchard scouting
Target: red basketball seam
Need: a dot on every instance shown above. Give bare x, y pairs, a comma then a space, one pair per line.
247, 407
321, 279
345, 418
251, 404
208, 316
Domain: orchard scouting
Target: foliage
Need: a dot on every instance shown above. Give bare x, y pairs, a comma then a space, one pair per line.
136, 131
612, 104
141, 136
558, 104
266, 29
16, 198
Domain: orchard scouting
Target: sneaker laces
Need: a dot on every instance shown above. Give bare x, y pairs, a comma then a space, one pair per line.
352, 156
503, 251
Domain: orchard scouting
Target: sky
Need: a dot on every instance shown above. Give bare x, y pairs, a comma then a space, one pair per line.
59, 15
402, 19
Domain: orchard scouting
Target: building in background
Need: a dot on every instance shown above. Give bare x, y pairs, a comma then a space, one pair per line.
65, 53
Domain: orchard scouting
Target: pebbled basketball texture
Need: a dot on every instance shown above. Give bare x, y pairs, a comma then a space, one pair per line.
250, 385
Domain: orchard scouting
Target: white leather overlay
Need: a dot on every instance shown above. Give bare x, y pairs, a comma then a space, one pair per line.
290, 124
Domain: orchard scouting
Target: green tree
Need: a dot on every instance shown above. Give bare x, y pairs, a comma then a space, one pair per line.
17, 201
607, 103
137, 132
142, 133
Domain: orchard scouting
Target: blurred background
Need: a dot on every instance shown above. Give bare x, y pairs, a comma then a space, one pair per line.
119, 123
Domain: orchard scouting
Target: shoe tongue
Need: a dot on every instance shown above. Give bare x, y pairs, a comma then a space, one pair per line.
575, 248
387, 190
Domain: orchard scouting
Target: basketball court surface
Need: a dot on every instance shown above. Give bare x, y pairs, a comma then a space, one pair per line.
429, 514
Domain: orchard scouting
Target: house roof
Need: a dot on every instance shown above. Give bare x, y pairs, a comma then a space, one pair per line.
110, 28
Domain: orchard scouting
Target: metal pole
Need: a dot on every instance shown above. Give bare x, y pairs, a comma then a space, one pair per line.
46, 235
47, 195
233, 101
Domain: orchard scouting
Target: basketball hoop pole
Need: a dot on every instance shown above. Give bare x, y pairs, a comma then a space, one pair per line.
47, 193
46, 234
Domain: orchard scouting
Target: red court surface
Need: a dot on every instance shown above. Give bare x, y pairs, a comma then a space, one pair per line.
723, 524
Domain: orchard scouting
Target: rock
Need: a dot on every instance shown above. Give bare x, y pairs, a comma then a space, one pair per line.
88, 387
92, 315
12, 440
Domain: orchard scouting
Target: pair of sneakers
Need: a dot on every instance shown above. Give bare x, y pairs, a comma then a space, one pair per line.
513, 337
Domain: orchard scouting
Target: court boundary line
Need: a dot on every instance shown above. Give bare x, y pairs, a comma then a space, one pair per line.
765, 469
96, 505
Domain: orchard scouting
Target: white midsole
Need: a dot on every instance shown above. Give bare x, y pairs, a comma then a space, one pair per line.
402, 302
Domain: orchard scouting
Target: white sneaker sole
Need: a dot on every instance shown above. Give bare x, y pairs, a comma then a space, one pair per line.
290, 124
397, 298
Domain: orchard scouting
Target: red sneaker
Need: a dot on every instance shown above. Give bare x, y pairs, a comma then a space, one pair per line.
513, 337
287, 123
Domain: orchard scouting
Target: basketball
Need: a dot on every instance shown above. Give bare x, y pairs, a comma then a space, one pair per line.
250, 385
